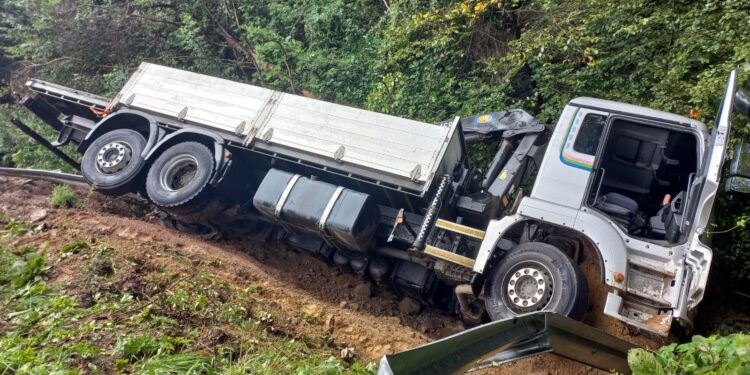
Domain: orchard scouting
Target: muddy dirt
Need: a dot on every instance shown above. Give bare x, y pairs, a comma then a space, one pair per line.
352, 311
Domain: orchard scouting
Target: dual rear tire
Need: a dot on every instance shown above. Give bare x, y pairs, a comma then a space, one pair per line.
177, 181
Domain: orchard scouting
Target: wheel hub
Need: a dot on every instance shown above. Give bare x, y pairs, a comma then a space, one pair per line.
178, 172
529, 288
113, 157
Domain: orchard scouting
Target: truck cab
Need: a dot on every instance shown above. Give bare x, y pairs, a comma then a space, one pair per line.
637, 185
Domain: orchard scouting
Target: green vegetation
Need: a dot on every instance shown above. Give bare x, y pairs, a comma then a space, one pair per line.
63, 196
147, 321
712, 355
17, 149
16, 227
424, 59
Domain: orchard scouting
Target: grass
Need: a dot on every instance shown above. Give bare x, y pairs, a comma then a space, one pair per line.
63, 196
152, 320
182, 363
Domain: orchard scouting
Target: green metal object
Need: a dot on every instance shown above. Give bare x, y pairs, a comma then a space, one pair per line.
509, 340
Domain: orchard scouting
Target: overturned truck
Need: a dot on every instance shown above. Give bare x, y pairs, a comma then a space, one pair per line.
402, 202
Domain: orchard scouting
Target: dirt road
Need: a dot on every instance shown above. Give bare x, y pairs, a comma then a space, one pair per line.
353, 311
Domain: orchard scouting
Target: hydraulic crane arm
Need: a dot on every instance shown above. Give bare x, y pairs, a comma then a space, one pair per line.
521, 144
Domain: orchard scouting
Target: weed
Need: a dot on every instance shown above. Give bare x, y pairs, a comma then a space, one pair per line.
63, 196
307, 318
134, 347
180, 299
143, 346
329, 341
101, 264
23, 271
17, 227
265, 318
182, 363
712, 355
75, 247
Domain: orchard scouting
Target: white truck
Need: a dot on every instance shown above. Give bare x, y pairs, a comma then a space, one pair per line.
401, 202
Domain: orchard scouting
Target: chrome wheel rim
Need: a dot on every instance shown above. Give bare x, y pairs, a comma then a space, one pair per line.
114, 157
528, 287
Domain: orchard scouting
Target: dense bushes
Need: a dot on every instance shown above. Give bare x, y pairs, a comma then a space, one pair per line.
712, 355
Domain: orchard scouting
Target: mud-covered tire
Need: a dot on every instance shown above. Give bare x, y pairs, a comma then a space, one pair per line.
204, 231
122, 176
560, 285
178, 180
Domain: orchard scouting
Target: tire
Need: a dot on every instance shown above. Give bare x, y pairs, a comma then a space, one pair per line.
178, 178
204, 231
113, 162
540, 275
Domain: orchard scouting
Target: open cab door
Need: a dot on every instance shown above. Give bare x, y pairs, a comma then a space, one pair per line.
705, 185
699, 203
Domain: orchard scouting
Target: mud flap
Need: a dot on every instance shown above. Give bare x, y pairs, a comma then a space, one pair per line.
512, 339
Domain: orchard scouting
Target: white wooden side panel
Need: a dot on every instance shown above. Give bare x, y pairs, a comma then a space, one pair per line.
372, 140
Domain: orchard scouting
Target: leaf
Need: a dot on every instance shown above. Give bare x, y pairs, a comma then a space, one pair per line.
644, 362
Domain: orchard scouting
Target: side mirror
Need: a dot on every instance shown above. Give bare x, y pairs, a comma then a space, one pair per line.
739, 169
742, 102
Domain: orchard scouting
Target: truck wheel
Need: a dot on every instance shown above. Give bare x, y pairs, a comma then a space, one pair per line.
113, 161
178, 178
535, 276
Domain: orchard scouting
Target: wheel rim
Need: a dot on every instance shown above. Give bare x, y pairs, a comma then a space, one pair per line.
528, 287
114, 157
178, 172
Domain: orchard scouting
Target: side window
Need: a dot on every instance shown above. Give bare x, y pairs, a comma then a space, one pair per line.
590, 133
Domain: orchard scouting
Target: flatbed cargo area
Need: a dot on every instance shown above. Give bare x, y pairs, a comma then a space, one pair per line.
399, 151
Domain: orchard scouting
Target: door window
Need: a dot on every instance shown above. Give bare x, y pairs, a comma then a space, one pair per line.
590, 134
582, 140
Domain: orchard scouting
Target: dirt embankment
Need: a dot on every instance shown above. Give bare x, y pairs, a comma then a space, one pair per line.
348, 308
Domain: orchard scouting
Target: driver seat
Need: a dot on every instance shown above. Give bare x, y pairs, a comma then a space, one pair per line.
618, 206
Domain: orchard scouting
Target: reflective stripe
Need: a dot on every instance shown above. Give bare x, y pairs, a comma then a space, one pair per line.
450, 257
329, 208
460, 229
285, 195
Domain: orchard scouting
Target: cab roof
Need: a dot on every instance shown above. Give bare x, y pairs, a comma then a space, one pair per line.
636, 110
